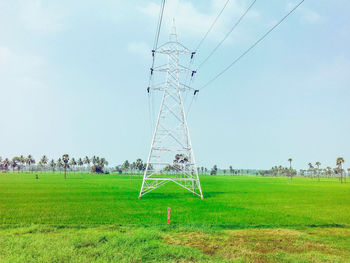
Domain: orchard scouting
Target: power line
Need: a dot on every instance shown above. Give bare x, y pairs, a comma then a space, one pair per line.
212, 25
227, 35
251, 47
159, 25
156, 38
155, 46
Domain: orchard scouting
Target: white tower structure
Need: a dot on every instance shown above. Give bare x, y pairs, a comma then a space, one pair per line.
171, 157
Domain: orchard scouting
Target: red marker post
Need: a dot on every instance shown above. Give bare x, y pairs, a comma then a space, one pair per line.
169, 213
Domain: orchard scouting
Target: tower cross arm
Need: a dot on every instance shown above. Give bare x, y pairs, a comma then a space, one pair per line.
172, 47
166, 68
164, 86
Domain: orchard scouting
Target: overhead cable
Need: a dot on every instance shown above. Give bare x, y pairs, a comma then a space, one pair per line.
160, 19
212, 25
252, 46
228, 34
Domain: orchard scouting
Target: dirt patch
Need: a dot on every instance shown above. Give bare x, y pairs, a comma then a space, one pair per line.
253, 245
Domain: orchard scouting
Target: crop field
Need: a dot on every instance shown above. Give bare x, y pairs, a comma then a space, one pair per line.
98, 218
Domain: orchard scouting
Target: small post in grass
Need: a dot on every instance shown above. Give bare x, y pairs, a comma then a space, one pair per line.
169, 213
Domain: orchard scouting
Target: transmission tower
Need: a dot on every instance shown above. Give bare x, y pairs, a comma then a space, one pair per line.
171, 157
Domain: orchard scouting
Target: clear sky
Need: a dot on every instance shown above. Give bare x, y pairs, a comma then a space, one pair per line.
73, 78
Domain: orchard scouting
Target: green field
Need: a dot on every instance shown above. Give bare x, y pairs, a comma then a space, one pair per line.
98, 218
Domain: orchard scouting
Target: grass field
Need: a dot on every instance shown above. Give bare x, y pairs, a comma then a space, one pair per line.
98, 218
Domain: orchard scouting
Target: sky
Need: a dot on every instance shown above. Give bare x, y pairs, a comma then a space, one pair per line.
73, 79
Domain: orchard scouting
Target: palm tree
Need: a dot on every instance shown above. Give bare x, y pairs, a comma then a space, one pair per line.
103, 162
139, 165
80, 163
73, 163
94, 160
290, 172
0, 163
30, 160
59, 164
329, 171
14, 163
43, 161
19, 163
133, 167
98, 165
231, 169
87, 161
6, 164
53, 165
126, 166
318, 169
340, 161
22, 161
65, 159
214, 170
311, 168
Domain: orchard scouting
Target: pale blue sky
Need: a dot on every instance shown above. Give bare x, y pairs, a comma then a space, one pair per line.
73, 78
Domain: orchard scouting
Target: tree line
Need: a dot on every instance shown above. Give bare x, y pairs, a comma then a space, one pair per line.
313, 171
98, 165
64, 163
127, 167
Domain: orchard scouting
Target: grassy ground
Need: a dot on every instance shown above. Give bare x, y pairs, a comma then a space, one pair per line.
98, 218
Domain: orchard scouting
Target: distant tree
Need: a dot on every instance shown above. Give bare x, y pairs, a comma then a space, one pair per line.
94, 160
80, 163
53, 165
22, 162
318, 164
72, 163
98, 165
340, 161
6, 163
214, 170
40, 164
43, 161
145, 166
133, 167
311, 169
87, 161
30, 161
180, 162
126, 166
59, 164
14, 163
118, 168
290, 173
65, 159
224, 171
139, 165
104, 162
231, 169
329, 171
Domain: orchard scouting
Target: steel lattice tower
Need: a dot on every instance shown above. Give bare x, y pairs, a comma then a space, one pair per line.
171, 157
